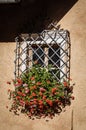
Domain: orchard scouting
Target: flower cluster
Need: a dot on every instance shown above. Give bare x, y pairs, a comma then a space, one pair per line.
37, 93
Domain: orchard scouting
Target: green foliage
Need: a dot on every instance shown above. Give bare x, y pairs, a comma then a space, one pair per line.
38, 93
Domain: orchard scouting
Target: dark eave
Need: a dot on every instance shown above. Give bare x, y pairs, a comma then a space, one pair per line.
9, 1
30, 16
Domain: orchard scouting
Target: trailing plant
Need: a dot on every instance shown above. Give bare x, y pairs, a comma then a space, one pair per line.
37, 93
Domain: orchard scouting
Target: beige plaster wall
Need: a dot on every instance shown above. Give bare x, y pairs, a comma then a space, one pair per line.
74, 21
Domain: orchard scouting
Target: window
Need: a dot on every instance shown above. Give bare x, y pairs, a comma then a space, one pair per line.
51, 47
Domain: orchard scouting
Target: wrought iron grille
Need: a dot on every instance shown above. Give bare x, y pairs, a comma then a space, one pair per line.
50, 47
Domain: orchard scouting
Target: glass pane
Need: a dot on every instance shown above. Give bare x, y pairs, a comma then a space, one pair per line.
38, 55
54, 55
54, 60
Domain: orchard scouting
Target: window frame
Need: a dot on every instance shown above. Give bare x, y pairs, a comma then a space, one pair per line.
23, 49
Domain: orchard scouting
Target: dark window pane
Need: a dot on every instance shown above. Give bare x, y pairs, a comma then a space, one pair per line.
38, 55
54, 55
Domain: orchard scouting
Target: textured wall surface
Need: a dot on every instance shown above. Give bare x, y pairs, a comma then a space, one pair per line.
74, 21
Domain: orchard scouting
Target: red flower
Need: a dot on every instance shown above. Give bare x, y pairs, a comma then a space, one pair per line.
65, 83
25, 85
33, 94
72, 97
30, 96
54, 90
26, 102
31, 103
49, 102
40, 102
27, 90
8, 82
21, 94
41, 106
44, 97
56, 101
22, 103
31, 110
32, 78
38, 83
17, 85
18, 97
35, 99
62, 97
42, 90
19, 81
35, 102
40, 93
34, 87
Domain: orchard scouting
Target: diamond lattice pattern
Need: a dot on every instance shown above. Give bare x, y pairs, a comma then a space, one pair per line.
51, 47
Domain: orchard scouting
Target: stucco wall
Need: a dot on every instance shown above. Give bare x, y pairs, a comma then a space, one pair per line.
74, 21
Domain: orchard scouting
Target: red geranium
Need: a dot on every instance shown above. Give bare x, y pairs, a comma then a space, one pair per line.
42, 90
54, 90
65, 83
37, 93
38, 83
34, 94
32, 78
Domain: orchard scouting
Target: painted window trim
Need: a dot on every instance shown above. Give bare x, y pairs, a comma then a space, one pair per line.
63, 39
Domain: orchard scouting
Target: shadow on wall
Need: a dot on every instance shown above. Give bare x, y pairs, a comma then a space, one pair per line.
30, 16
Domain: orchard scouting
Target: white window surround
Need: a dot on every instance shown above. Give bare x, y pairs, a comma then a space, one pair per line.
60, 37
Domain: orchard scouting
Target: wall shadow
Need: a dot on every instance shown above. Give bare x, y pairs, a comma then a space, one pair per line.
30, 16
